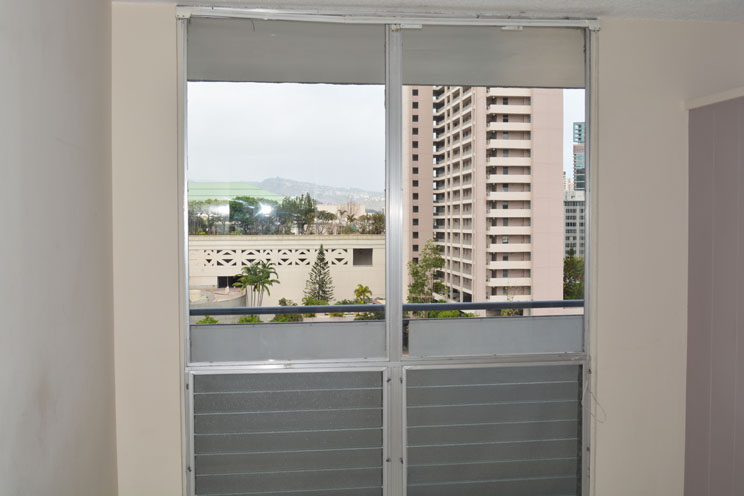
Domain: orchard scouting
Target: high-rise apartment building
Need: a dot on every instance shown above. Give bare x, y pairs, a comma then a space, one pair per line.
579, 138
574, 206
495, 208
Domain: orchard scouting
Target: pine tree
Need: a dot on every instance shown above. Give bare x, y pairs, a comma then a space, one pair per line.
319, 285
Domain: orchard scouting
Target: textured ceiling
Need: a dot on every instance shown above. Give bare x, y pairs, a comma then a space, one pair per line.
710, 10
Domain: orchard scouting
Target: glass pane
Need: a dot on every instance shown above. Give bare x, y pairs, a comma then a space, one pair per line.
286, 198
494, 206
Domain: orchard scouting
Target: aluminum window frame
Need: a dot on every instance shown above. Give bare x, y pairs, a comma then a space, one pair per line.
395, 366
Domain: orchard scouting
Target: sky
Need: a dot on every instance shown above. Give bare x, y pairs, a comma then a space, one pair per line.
332, 135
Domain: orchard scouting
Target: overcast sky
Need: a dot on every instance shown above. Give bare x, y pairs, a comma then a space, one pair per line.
326, 134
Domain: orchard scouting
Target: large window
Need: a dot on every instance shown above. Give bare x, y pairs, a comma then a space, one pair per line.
386, 231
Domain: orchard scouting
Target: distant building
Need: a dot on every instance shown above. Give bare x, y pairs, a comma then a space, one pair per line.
574, 207
483, 179
579, 137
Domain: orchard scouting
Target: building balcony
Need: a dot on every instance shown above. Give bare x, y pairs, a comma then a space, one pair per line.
509, 230
517, 264
509, 247
508, 179
510, 161
509, 92
509, 195
510, 143
504, 298
508, 282
510, 213
509, 109
509, 126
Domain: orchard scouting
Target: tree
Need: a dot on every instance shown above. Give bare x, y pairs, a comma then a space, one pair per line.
423, 275
248, 214
257, 278
373, 223
573, 277
363, 293
319, 285
324, 222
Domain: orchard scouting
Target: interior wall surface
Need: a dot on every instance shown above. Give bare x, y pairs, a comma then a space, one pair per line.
647, 72
715, 364
145, 215
57, 416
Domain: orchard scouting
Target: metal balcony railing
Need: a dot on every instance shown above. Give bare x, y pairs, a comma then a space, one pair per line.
380, 308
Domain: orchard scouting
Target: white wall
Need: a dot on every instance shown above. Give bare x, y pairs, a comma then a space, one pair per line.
145, 213
57, 433
647, 71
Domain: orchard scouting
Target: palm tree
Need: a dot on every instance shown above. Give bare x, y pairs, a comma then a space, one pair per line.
266, 271
258, 278
363, 293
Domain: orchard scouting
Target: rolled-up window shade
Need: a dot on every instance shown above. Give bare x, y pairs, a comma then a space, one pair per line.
492, 56
285, 51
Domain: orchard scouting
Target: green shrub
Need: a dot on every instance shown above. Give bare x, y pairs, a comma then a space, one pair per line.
287, 317
249, 319
208, 320
310, 301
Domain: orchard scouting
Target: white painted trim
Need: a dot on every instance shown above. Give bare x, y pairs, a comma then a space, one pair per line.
715, 98
382, 16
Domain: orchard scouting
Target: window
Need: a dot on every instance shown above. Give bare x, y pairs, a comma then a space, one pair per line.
281, 54
362, 256
505, 170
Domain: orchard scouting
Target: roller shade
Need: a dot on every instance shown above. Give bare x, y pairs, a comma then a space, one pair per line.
492, 56
284, 51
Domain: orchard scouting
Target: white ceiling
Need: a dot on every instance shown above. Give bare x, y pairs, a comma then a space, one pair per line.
710, 10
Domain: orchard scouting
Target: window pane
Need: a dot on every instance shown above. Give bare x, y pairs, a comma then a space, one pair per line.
496, 168
286, 180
